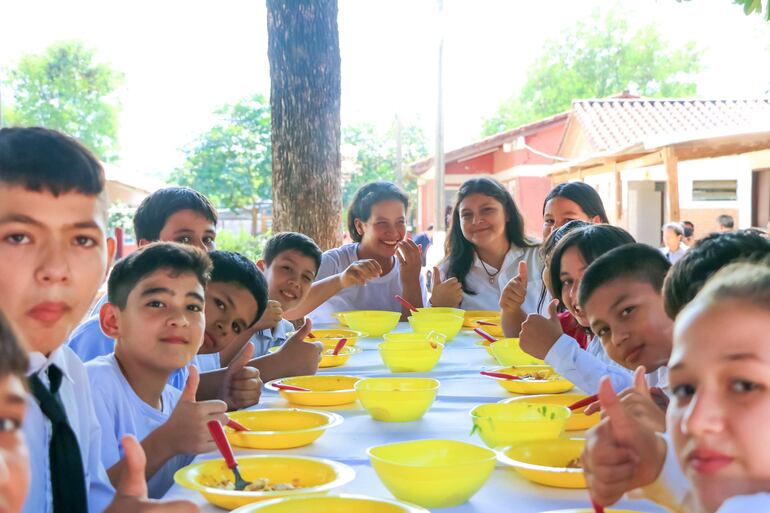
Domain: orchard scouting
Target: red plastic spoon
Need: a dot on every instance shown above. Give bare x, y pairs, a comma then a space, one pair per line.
499, 375
406, 304
292, 388
339, 346
583, 402
485, 335
218, 434
485, 323
597, 508
236, 425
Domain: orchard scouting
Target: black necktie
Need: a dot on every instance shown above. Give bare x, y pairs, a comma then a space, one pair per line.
68, 481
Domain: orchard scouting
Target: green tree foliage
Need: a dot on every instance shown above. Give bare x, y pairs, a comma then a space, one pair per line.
231, 163
63, 88
599, 57
754, 6
375, 156
248, 245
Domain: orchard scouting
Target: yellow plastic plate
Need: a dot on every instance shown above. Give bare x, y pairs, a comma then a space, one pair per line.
342, 503
280, 428
315, 475
544, 461
554, 384
325, 389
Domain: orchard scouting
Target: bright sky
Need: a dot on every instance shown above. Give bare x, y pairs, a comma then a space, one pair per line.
182, 59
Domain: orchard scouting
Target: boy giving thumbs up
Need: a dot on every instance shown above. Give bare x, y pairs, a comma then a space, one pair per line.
155, 313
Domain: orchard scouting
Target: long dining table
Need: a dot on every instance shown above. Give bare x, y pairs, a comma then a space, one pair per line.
462, 388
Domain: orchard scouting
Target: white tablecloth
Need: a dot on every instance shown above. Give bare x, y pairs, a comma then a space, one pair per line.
462, 388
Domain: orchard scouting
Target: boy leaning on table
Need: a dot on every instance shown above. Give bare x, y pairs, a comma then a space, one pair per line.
155, 313
53, 256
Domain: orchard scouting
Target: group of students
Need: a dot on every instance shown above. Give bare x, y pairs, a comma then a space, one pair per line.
186, 333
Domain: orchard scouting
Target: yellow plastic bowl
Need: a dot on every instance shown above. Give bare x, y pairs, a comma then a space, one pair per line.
406, 356
325, 389
496, 330
280, 428
509, 353
447, 324
343, 503
508, 424
340, 316
554, 384
432, 473
578, 421
441, 310
373, 322
545, 461
473, 315
397, 399
329, 360
315, 475
431, 336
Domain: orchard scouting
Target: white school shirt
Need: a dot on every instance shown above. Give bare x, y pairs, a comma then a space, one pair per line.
265, 339
377, 294
676, 255
75, 395
487, 295
585, 368
121, 412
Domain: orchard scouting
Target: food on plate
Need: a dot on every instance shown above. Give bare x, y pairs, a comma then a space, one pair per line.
261, 484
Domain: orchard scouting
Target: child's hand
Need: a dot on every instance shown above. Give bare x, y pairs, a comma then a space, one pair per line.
185, 430
241, 386
408, 254
621, 454
639, 404
539, 334
131, 491
270, 318
447, 293
515, 291
359, 272
302, 358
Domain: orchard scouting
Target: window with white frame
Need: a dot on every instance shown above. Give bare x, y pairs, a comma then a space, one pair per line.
715, 190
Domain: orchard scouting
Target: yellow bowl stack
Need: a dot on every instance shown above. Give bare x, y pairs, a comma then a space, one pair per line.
397, 399
375, 323
448, 325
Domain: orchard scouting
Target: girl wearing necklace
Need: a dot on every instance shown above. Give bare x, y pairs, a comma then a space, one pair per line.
484, 248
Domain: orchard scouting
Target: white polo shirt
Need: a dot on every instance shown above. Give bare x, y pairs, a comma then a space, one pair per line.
674, 256
488, 289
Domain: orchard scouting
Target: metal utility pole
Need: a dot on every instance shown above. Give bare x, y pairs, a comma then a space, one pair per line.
440, 225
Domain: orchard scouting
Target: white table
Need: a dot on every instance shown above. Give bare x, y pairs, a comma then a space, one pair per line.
461, 389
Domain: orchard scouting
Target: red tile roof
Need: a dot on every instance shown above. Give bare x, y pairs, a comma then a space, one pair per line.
617, 122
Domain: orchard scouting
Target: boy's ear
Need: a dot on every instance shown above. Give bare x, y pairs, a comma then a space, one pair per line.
596, 219
261, 265
109, 320
142, 242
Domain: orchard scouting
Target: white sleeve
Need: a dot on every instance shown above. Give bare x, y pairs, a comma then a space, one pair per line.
330, 265
671, 489
585, 369
103, 446
744, 503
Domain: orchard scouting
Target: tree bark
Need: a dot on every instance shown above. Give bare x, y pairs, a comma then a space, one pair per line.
304, 54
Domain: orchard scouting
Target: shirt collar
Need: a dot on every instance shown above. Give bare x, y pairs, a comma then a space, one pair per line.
39, 363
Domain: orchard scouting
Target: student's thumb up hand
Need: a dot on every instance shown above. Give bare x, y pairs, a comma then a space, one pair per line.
436, 277
522, 276
133, 482
301, 357
131, 491
640, 382
190, 390
242, 385
621, 424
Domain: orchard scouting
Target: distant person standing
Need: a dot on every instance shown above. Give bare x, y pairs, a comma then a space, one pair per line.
673, 247
725, 223
689, 233
424, 239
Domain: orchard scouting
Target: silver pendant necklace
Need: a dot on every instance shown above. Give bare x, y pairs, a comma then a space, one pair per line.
492, 276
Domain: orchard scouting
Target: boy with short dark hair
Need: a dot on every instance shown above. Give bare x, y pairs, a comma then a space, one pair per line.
621, 293
155, 313
14, 478
53, 256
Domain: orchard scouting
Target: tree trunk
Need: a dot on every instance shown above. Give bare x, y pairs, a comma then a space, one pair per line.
304, 54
